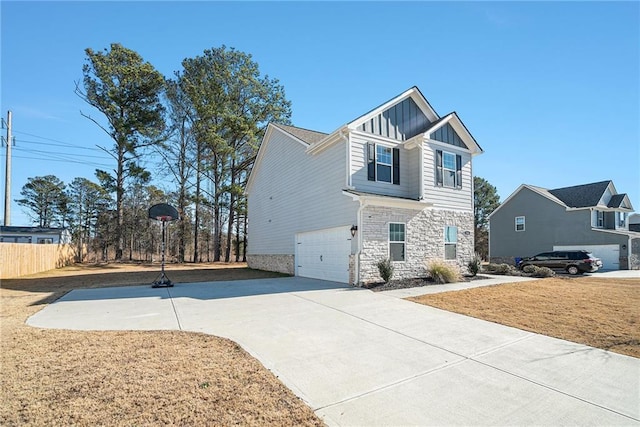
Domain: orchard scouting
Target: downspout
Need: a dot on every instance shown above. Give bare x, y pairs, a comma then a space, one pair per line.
359, 241
421, 149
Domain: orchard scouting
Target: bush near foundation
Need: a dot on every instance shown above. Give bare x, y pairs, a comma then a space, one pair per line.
385, 268
442, 272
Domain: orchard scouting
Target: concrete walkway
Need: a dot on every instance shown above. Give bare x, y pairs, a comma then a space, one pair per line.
360, 358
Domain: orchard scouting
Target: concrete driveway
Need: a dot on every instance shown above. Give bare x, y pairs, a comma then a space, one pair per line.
360, 358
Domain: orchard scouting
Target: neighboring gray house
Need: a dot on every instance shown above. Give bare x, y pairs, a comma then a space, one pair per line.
41, 235
593, 217
394, 183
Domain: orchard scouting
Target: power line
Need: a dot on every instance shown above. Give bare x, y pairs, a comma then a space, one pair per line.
63, 161
48, 144
57, 153
65, 144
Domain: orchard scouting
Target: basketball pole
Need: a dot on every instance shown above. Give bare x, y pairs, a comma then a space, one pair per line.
163, 280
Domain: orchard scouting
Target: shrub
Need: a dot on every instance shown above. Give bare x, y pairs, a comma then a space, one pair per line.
474, 265
506, 269
543, 272
385, 267
441, 272
536, 271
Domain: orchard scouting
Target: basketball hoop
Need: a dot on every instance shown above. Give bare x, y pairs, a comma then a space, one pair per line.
164, 213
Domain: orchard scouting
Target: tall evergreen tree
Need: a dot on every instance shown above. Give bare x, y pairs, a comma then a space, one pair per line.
126, 90
485, 201
45, 199
232, 104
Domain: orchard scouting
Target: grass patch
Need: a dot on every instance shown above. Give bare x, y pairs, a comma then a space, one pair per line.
59, 377
598, 312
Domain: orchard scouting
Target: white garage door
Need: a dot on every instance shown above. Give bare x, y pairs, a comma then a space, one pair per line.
609, 254
324, 254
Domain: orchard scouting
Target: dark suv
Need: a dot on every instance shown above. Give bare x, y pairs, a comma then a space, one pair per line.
573, 262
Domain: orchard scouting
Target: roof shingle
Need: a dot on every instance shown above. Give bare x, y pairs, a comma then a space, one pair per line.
581, 196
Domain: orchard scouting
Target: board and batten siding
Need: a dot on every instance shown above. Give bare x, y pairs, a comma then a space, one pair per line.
409, 186
446, 197
401, 122
295, 192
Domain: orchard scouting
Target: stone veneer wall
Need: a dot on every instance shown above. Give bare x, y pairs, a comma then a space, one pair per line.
424, 239
279, 263
633, 263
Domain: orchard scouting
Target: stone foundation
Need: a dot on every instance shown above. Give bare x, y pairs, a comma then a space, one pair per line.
279, 263
424, 240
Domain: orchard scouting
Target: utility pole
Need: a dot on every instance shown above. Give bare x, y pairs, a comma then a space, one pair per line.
7, 181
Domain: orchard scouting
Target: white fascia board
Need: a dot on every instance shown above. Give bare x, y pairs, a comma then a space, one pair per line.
444, 145
329, 140
414, 142
387, 201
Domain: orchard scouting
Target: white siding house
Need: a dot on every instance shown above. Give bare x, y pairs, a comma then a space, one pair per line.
395, 183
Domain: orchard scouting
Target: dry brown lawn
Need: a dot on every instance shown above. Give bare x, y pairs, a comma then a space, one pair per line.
603, 313
59, 377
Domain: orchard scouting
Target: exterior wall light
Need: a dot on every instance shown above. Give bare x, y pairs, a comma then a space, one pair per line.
354, 228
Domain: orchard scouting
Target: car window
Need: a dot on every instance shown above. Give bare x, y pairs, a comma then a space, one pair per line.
543, 256
561, 255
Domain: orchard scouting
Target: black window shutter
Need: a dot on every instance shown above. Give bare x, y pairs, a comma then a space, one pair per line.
438, 167
371, 161
458, 171
396, 166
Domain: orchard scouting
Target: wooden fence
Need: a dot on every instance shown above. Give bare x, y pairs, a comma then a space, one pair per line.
20, 259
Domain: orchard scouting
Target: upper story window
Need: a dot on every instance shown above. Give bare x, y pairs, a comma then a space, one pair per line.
599, 219
520, 223
383, 163
621, 219
448, 169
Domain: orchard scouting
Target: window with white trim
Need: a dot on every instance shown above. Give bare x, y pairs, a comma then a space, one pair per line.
448, 169
600, 219
520, 223
384, 163
396, 241
450, 242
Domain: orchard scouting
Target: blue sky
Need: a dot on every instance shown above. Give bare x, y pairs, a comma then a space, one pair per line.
551, 91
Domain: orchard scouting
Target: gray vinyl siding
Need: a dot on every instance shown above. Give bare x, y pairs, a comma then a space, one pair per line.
446, 197
447, 134
546, 224
409, 170
400, 122
294, 192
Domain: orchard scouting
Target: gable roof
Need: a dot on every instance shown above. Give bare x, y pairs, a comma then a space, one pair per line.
305, 135
577, 196
432, 122
413, 93
581, 196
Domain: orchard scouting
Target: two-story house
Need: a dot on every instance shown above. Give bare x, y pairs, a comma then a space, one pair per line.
592, 217
394, 183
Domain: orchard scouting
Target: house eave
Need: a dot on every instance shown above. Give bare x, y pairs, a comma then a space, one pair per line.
337, 135
370, 199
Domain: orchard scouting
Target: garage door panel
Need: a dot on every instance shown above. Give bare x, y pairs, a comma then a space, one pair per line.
609, 254
324, 254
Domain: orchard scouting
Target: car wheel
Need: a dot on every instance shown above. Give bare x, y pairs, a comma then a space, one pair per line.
573, 270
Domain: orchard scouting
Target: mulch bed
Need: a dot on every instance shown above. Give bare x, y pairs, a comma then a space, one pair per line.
411, 283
